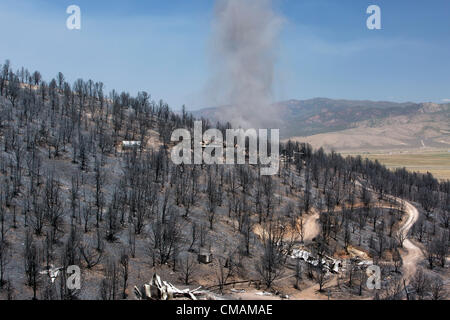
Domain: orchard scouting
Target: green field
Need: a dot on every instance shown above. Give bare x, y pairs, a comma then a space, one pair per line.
435, 162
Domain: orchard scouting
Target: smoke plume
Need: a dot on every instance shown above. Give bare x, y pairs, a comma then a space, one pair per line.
244, 40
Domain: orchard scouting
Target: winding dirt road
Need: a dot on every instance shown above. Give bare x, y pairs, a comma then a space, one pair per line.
413, 253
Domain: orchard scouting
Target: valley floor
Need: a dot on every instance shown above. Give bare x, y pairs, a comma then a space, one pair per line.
436, 161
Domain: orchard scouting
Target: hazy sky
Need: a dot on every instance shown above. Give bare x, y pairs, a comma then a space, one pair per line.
162, 47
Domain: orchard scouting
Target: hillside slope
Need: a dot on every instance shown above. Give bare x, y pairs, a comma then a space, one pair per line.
72, 195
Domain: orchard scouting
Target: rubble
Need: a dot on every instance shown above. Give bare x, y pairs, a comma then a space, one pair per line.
332, 265
158, 289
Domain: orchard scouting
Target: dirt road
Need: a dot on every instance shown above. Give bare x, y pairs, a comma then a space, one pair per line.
413, 253
311, 226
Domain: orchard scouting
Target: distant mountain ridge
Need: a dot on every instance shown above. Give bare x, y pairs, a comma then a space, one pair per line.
306, 118
326, 115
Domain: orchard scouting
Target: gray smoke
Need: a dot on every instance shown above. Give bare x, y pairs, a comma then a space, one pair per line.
244, 39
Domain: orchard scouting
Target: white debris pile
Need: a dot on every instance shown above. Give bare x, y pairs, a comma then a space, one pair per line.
364, 263
332, 265
264, 294
163, 290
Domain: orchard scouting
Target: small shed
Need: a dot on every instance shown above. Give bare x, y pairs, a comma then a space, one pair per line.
205, 258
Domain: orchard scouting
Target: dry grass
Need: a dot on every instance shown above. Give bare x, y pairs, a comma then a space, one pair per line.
435, 162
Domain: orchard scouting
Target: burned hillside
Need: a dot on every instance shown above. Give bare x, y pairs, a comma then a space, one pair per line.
86, 180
